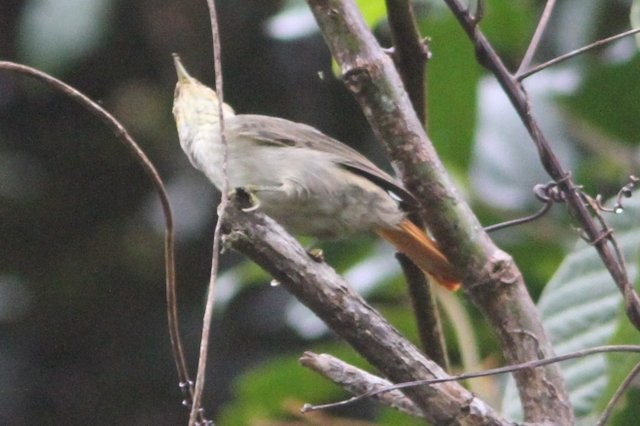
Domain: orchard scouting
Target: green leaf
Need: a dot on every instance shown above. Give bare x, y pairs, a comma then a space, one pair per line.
276, 389
634, 17
619, 366
609, 99
452, 78
373, 11
261, 392
508, 25
581, 308
503, 173
629, 405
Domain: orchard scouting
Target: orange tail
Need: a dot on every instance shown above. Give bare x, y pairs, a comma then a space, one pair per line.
423, 251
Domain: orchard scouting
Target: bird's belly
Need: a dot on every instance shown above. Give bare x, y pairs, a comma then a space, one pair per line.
327, 201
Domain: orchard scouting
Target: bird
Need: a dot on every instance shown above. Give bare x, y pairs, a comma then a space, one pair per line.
308, 182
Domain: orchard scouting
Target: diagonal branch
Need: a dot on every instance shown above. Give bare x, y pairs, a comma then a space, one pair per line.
324, 292
537, 35
516, 92
523, 72
502, 370
357, 381
490, 278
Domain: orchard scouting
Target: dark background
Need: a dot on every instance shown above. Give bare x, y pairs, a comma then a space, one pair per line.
82, 314
80, 231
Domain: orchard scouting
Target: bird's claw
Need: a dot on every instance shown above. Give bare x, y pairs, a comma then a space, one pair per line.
246, 198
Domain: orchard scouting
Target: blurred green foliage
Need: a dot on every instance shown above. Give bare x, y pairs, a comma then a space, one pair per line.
81, 249
581, 308
616, 114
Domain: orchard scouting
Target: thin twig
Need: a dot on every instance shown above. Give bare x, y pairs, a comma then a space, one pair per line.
537, 35
547, 193
490, 372
625, 192
521, 220
169, 240
222, 207
550, 194
604, 417
521, 75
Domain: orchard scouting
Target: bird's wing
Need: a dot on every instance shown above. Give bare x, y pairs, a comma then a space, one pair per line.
266, 130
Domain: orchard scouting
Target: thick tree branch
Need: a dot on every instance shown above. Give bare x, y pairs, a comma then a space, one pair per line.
490, 277
324, 292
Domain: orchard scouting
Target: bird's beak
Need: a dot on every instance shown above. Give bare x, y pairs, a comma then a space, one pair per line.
181, 71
